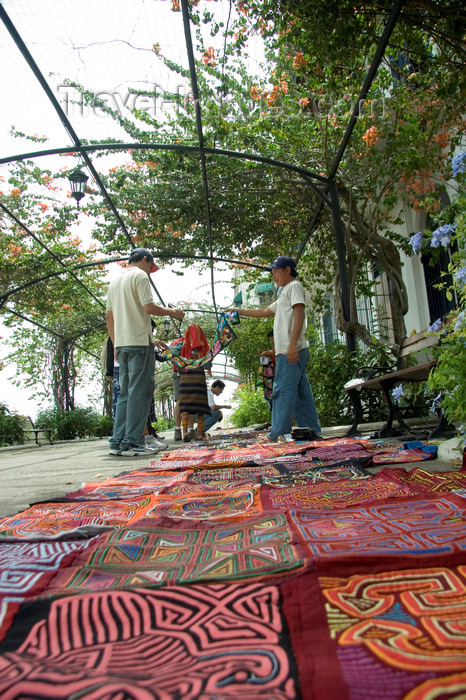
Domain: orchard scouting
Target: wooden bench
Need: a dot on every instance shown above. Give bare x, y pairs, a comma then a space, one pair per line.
29, 427
383, 379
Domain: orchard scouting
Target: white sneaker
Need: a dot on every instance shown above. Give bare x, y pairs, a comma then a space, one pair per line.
285, 438
151, 442
139, 450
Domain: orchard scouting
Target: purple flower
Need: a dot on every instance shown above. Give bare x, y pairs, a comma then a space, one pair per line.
459, 321
435, 326
436, 403
458, 163
441, 235
416, 242
397, 393
460, 275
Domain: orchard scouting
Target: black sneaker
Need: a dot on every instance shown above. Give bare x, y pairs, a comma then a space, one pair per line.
301, 434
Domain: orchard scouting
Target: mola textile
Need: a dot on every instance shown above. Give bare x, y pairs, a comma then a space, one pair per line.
224, 335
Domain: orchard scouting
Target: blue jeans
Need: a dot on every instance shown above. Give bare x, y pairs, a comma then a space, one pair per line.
292, 396
210, 420
137, 365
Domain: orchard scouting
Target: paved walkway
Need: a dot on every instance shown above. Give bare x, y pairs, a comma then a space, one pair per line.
30, 473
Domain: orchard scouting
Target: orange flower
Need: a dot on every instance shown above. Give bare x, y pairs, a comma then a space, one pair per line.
14, 249
442, 138
371, 136
15, 192
299, 61
209, 57
273, 95
254, 93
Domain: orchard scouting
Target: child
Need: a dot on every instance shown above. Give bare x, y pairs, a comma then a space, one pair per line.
193, 385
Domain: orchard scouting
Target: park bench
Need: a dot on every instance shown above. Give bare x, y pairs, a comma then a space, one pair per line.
384, 379
29, 429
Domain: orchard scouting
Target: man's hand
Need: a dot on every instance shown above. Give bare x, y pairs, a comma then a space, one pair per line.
292, 355
177, 313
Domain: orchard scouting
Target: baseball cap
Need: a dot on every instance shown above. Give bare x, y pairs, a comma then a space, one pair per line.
281, 262
139, 254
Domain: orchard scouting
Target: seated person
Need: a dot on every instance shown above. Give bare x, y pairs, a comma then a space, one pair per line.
215, 413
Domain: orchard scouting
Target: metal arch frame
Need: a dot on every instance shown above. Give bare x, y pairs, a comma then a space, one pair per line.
307, 175
54, 333
108, 261
328, 195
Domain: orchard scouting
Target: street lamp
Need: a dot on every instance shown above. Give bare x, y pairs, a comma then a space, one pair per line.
166, 326
78, 181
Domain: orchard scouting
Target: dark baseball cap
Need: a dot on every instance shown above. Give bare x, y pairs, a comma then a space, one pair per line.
139, 254
281, 262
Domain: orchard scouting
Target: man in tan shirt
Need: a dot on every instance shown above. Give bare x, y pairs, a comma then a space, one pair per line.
130, 306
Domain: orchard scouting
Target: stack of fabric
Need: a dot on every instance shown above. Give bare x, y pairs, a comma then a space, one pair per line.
238, 570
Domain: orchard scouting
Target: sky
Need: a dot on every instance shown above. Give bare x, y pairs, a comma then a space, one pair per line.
107, 47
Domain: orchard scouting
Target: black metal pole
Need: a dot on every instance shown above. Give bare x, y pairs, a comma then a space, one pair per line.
371, 73
342, 266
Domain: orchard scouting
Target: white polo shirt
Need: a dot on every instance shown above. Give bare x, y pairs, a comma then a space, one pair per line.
127, 294
292, 293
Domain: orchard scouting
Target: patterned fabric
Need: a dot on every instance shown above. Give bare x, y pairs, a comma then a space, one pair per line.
241, 570
333, 472
59, 518
27, 568
420, 525
176, 463
341, 494
323, 452
193, 392
167, 552
113, 491
402, 455
224, 335
402, 631
266, 374
188, 488
210, 476
217, 641
233, 504
149, 476
194, 339
425, 481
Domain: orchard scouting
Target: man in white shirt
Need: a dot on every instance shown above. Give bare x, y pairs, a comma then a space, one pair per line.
130, 306
216, 415
292, 393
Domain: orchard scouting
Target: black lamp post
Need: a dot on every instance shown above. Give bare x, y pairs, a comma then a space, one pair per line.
166, 326
78, 181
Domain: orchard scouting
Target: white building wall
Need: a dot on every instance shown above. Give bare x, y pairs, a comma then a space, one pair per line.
417, 318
